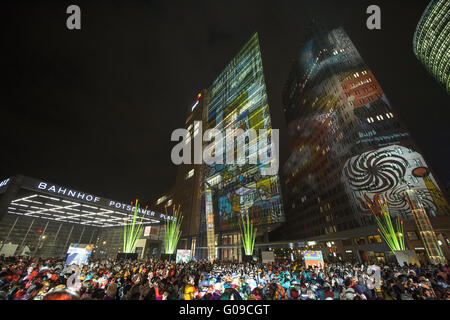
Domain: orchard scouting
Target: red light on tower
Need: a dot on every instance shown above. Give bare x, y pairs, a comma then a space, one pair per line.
40, 231
199, 95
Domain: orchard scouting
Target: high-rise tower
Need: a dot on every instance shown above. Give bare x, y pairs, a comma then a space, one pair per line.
347, 145
431, 41
238, 100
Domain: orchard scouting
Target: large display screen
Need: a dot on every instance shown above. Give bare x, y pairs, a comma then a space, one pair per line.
313, 258
79, 254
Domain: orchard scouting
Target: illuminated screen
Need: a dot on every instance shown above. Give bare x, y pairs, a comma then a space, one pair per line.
79, 254
388, 172
313, 258
183, 256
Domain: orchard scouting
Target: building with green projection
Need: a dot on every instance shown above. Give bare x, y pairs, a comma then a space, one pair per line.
238, 100
432, 41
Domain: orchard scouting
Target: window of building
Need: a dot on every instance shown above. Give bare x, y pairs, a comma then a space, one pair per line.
360, 240
347, 242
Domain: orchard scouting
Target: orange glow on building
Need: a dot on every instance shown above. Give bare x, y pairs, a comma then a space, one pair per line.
361, 88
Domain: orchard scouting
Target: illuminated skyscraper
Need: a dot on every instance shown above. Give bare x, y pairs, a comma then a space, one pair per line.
238, 100
347, 145
432, 41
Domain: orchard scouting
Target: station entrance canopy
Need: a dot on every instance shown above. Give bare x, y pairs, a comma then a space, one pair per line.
25, 196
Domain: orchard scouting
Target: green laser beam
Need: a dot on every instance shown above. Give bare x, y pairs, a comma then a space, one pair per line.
172, 230
394, 237
132, 232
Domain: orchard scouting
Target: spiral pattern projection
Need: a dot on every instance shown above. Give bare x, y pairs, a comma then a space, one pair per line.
397, 201
375, 172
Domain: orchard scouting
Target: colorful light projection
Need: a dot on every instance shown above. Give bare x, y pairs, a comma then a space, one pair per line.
172, 230
394, 237
239, 100
132, 232
385, 171
425, 228
210, 236
337, 111
436, 194
248, 232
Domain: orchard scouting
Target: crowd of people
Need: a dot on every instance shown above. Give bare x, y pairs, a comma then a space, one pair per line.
23, 278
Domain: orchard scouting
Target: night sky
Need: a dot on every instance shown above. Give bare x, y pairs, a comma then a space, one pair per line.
94, 109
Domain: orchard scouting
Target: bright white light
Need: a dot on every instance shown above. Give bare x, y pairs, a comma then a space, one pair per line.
29, 197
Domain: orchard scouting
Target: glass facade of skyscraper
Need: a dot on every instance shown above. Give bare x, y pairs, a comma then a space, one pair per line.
347, 144
238, 100
432, 41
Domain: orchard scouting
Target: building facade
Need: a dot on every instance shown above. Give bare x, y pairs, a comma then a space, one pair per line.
347, 146
431, 41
